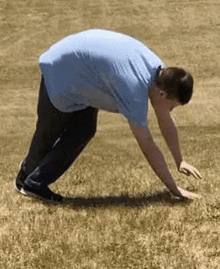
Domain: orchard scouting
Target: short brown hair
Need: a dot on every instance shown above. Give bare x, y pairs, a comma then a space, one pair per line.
176, 82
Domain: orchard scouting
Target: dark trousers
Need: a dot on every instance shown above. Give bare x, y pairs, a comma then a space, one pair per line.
58, 140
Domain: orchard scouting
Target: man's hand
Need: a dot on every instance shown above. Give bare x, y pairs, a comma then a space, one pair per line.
188, 170
188, 194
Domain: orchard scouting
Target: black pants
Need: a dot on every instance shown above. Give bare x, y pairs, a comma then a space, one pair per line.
58, 140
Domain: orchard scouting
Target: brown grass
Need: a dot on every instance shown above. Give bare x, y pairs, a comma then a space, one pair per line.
118, 215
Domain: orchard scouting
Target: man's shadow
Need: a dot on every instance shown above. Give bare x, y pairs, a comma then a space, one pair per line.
126, 200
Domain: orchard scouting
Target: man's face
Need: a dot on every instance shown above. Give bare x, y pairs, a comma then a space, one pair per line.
159, 99
171, 104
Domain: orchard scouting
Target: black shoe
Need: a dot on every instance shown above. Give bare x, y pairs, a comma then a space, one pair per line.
43, 193
20, 178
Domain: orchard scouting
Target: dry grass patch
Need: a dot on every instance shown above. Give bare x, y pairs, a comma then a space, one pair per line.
117, 215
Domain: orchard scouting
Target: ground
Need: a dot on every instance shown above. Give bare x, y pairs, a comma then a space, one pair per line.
118, 214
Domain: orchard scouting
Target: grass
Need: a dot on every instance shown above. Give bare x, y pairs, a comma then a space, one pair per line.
117, 215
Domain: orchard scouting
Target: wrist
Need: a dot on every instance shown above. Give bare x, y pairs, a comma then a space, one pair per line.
178, 163
175, 190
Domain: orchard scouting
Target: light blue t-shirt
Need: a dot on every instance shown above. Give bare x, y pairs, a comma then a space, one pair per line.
102, 69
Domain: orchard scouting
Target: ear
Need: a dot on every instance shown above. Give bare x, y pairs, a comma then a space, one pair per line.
162, 93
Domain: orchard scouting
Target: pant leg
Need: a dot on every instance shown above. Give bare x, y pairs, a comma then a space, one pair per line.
77, 133
50, 124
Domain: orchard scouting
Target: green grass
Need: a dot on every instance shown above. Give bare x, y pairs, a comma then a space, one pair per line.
118, 215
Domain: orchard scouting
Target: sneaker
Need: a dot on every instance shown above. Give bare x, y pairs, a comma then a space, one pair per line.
43, 193
20, 178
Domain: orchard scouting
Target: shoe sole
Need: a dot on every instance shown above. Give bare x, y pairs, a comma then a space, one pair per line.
38, 197
18, 189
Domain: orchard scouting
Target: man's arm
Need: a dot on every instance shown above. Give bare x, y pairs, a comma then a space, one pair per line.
170, 134
154, 156
156, 160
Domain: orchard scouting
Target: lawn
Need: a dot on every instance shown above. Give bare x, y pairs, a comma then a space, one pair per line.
118, 214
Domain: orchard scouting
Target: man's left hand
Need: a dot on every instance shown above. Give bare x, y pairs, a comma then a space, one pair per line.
188, 170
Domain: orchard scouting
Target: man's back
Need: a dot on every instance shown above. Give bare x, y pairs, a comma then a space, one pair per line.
103, 69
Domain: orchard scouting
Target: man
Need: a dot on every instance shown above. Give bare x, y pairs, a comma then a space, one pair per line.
99, 69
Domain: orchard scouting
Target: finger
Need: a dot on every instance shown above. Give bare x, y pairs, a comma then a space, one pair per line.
196, 174
193, 171
184, 171
193, 196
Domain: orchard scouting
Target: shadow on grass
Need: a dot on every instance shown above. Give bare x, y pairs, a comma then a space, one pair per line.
141, 200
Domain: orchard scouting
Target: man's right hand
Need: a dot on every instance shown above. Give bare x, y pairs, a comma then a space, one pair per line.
188, 195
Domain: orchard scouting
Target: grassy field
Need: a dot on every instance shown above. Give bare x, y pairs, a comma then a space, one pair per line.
118, 214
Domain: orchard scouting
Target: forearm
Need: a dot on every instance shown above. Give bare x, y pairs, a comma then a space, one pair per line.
170, 134
154, 157
157, 162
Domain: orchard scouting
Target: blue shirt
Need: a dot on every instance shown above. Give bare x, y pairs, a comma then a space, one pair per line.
102, 69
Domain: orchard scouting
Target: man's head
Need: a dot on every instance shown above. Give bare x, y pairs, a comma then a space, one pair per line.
176, 83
